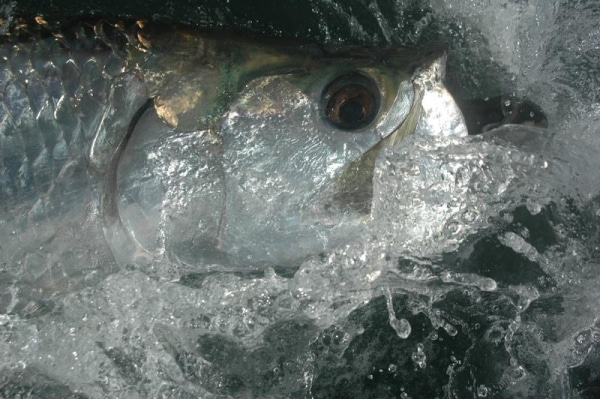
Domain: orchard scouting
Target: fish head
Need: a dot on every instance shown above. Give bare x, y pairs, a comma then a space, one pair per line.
257, 155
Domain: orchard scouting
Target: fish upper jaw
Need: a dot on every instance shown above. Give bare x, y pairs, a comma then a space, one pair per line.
428, 109
439, 113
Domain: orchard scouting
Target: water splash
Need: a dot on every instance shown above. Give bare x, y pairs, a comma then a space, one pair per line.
401, 326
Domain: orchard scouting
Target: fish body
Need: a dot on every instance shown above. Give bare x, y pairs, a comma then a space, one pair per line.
134, 143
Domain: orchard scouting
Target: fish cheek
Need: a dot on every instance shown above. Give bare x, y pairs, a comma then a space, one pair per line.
169, 191
257, 196
280, 159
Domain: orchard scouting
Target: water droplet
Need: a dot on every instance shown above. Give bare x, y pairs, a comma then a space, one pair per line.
402, 327
495, 334
533, 207
482, 391
450, 329
419, 356
338, 337
469, 216
527, 294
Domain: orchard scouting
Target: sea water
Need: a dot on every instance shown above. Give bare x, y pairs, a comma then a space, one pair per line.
478, 276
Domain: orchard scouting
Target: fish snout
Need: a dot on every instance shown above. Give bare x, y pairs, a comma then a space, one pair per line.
439, 112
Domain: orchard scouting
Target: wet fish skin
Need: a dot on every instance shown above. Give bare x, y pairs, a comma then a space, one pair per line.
53, 94
70, 104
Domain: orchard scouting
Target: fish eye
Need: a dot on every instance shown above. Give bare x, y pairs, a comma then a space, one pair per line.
351, 101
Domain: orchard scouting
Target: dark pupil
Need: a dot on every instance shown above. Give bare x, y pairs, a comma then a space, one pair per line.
350, 102
352, 112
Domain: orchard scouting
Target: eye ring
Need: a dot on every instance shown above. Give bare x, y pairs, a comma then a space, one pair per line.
351, 101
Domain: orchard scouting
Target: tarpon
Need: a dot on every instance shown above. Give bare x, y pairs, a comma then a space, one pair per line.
132, 144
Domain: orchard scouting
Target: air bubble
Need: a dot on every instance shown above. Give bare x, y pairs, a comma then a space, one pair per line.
452, 228
517, 373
